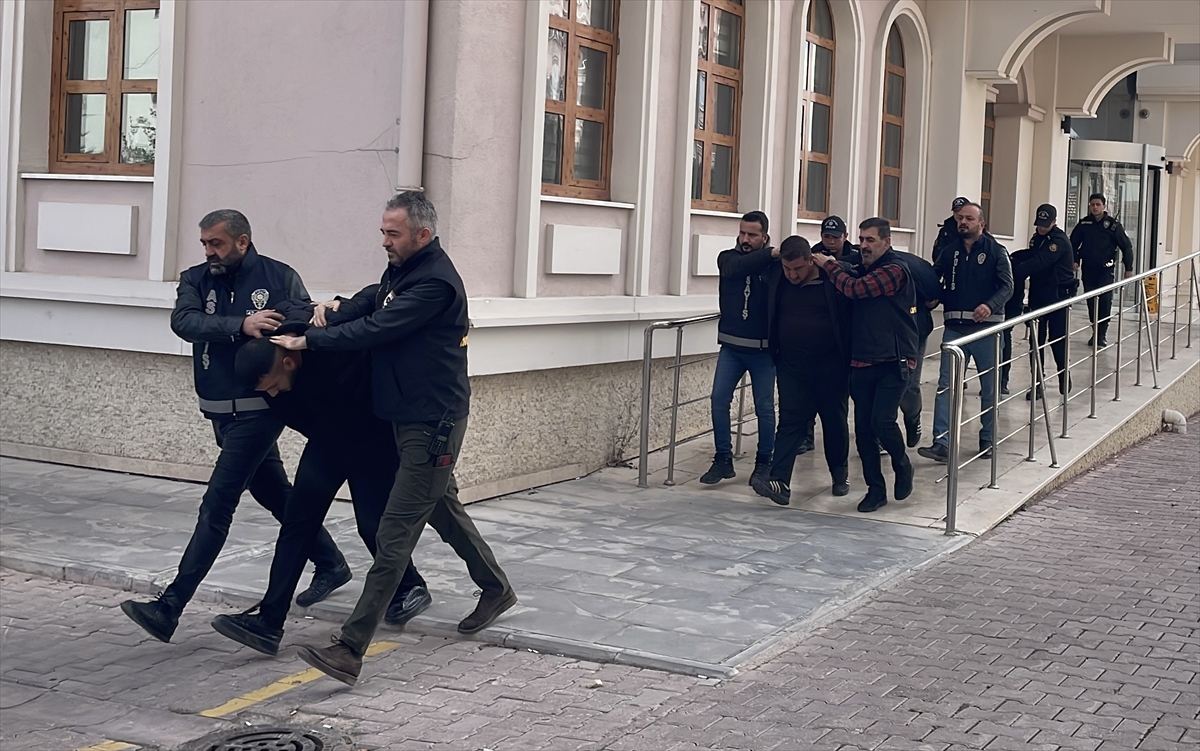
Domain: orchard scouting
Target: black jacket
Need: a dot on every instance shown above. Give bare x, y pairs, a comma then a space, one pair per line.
743, 298
1049, 266
209, 312
926, 288
839, 306
415, 324
982, 276
1096, 242
884, 329
947, 235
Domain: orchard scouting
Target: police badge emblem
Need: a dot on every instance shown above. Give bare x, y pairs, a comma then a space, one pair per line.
259, 298
1107, 223
1053, 248
210, 302
981, 258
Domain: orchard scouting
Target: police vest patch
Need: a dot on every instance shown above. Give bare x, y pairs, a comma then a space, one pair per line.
210, 304
1107, 224
981, 258
1053, 248
259, 298
463, 343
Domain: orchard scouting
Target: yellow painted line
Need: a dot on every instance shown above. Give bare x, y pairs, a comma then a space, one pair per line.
280, 686
110, 746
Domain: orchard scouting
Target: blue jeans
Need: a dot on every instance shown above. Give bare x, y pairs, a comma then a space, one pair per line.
732, 364
983, 352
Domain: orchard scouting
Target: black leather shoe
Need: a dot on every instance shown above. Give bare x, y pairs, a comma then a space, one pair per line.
912, 433
251, 630
777, 490
1030, 395
936, 452
1004, 389
841, 481
491, 605
404, 609
336, 661
156, 617
985, 450
721, 469
904, 481
871, 503
323, 584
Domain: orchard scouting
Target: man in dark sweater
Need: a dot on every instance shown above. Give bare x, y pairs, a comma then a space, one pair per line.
810, 344
742, 334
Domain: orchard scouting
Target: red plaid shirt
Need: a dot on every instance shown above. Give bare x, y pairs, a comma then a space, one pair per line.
880, 281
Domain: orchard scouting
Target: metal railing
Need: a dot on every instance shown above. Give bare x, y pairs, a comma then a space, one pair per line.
676, 368
1149, 328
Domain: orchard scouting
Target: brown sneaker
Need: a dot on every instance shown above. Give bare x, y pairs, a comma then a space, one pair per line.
491, 605
336, 661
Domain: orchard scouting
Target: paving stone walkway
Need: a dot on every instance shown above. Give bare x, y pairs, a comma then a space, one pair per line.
1074, 625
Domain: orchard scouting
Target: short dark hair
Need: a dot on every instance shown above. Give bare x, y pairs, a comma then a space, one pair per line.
759, 218
236, 223
879, 223
1094, 196
254, 360
795, 247
982, 213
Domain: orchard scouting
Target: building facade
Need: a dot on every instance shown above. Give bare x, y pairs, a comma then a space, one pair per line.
588, 158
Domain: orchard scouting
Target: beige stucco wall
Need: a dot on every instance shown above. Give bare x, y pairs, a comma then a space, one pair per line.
142, 407
87, 192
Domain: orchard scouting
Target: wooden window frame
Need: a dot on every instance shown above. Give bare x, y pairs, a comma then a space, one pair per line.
113, 87
985, 188
808, 97
579, 34
886, 119
707, 135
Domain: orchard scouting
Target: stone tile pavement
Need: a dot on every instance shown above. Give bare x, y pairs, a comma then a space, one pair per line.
1074, 625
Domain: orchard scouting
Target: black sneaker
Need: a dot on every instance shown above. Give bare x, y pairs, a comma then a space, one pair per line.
490, 606
762, 471
1004, 389
336, 661
721, 469
805, 448
156, 617
250, 629
776, 490
912, 433
404, 609
323, 584
936, 452
904, 482
871, 503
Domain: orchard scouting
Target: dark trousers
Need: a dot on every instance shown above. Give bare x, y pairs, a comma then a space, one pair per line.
910, 402
323, 468
818, 388
1103, 302
1055, 325
249, 460
876, 391
421, 494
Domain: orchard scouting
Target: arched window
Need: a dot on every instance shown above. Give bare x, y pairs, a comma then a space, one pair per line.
581, 73
989, 145
893, 129
816, 108
718, 105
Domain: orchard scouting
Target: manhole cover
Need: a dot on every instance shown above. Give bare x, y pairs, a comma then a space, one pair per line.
266, 739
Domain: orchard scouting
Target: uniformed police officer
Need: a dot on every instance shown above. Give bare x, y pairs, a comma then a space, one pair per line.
221, 303
948, 230
1096, 240
1050, 268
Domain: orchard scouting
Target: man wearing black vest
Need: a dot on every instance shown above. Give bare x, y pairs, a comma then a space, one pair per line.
1096, 239
742, 334
810, 344
221, 304
948, 230
326, 397
415, 324
977, 281
883, 352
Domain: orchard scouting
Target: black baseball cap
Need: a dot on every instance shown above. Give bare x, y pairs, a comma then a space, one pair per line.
833, 225
959, 202
1046, 214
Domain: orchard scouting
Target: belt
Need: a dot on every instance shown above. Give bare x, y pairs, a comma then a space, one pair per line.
738, 341
233, 406
969, 317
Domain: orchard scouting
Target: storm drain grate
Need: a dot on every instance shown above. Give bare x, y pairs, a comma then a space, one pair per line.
264, 739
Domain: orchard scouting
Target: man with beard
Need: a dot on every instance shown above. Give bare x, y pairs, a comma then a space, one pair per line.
742, 334
948, 230
977, 281
222, 303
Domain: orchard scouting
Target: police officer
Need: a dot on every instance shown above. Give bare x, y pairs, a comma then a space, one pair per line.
948, 230
221, 304
1049, 265
742, 334
1096, 240
977, 281
415, 322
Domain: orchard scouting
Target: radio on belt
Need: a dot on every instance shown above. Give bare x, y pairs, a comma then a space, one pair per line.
438, 457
